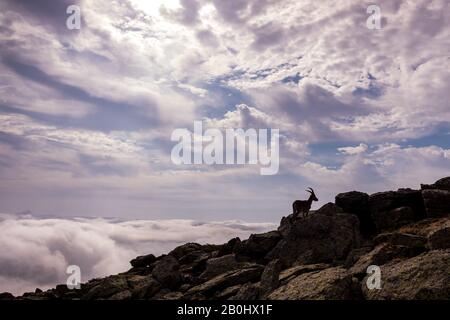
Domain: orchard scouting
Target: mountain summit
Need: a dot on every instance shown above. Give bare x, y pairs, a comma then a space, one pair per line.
326, 255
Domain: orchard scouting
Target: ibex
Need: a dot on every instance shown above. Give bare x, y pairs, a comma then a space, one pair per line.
304, 206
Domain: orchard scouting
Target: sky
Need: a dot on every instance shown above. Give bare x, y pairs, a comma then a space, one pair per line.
86, 116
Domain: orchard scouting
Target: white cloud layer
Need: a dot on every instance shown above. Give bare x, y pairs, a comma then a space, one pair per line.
36, 251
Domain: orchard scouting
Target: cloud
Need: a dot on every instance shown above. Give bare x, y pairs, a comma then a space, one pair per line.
36, 251
361, 148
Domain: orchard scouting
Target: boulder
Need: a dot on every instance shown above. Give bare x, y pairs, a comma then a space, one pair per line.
228, 247
228, 279
184, 249
329, 209
143, 287
355, 255
143, 261
437, 202
441, 184
248, 291
227, 292
402, 239
382, 254
328, 284
357, 203
6, 296
122, 295
106, 288
257, 246
166, 272
290, 273
194, 263
270, 278
426, 276
389, 220
439, 239
220, 265
382, 205
317, 239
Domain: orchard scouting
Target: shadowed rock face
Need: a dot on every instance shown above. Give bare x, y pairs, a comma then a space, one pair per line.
324, 256
426, 276
318, 238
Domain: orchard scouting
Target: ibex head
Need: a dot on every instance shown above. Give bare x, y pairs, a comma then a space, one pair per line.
311, 191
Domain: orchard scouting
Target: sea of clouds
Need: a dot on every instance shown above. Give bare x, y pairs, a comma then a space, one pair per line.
36, 251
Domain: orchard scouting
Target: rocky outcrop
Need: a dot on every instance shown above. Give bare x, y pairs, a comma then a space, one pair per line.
166, 272
441, 184
143, 261
323, 256
437, 202
257, 246
426, 276
357, 203
317, 238
228, 279
328, 284
392, 209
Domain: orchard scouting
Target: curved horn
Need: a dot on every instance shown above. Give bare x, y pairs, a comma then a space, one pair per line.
310, 191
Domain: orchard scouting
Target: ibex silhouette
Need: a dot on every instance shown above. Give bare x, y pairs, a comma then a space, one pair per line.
304, 206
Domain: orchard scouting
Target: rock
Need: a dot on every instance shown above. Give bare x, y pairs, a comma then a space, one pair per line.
184, 249
106, 288
329, 209
441, 184
423, 277
355, 255
270, 278
382, 254
357, 203
143, 261
328, 284
388, 220
318, 239
289, 274
227, 292
143, 287
194, 262
6, 296
123, 295
257, 246
248, 291
220, 265
437, 202
166, 272
382, 203
439, 239
229, 247
225, 280
184, 287
176, 295
402, 239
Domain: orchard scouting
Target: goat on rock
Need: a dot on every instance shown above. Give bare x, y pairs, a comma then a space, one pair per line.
303, 206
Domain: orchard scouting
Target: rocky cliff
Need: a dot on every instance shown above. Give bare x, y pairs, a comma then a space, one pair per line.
324, 256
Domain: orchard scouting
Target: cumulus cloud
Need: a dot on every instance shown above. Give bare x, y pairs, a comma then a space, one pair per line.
36, 251
354, 150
